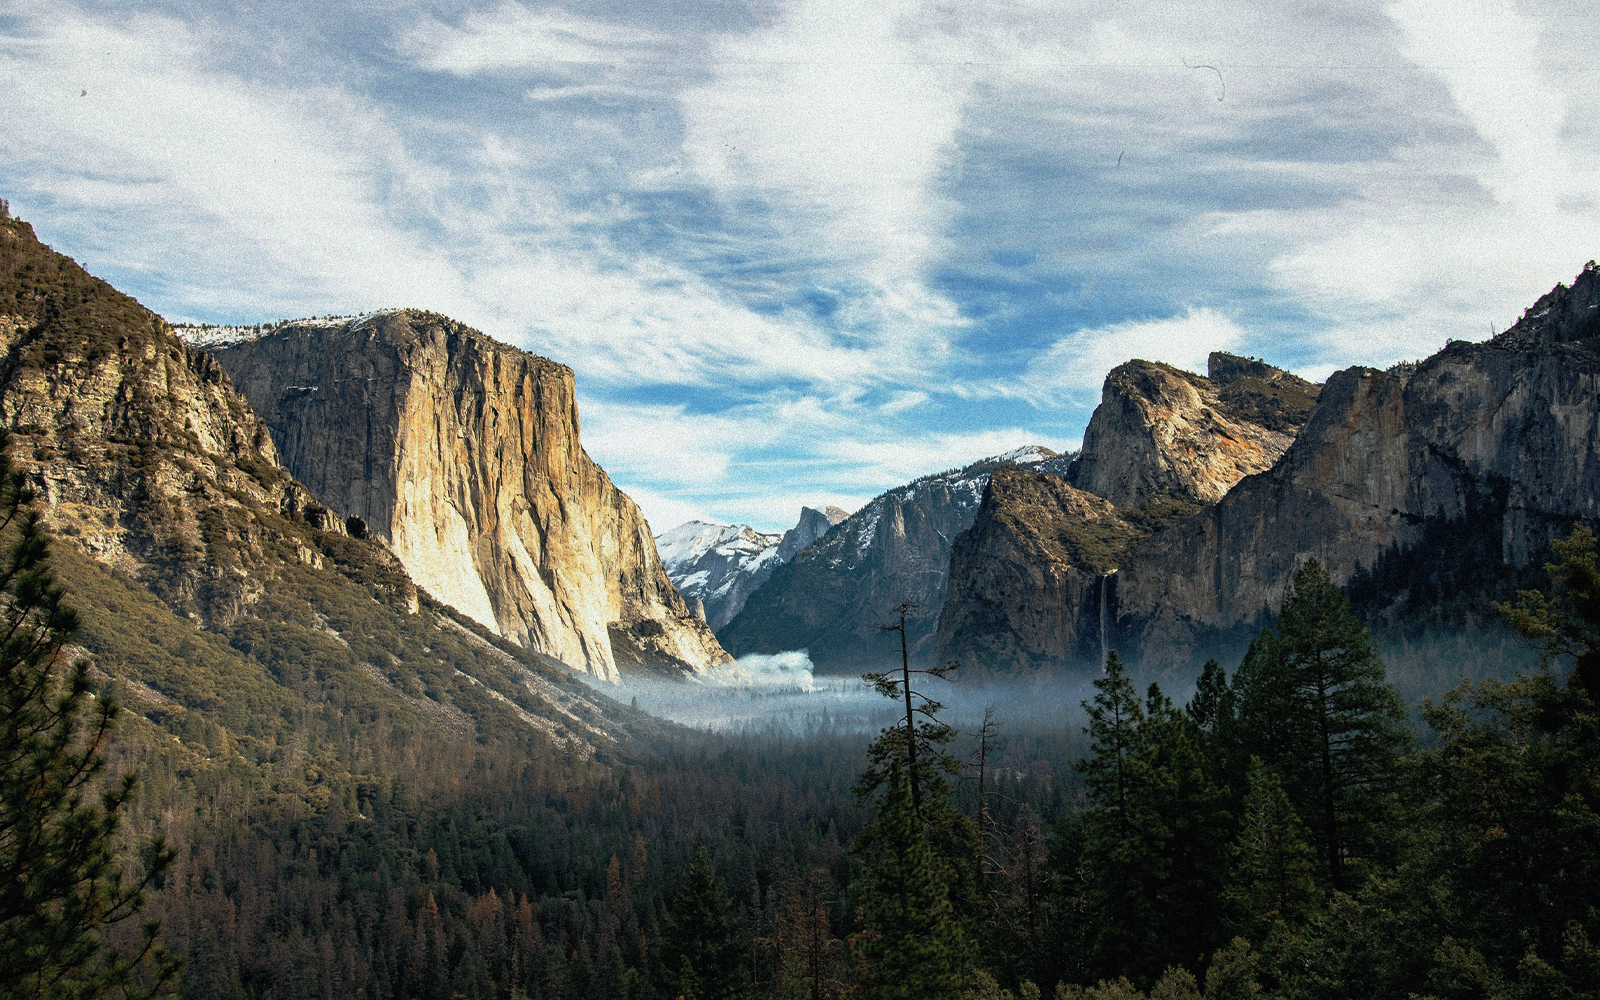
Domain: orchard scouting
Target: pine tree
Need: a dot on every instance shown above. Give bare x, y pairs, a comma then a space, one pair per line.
1192, 812
1214, 713
912, 945
1155, 841
1566, 622
809, 958
62, 888
704, 958
1314, 704
1513, 804
1273, 862
1115, 742
1119, 829
915, 748
920, 890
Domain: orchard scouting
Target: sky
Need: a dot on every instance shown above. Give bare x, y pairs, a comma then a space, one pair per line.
802, 252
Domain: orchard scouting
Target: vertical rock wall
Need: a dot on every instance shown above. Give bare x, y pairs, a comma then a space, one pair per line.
1026, 579
1511, 425
463, 454
1162, 430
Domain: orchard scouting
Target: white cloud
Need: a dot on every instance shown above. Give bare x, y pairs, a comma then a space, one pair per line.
130, 116
1490, 57
834, 119
785, 223
897, 461
515, 37
291, 200
1072, 370
1449, 239
664, 511
906, 399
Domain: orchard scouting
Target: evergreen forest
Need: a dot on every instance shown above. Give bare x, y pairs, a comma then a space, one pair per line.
1291, 831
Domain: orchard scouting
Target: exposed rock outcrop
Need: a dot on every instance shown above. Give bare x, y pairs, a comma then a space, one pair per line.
720, 565
135, 440
831, 598
209, 584
1030, 582
1160, 430
1029, 578
1505, 430
813, 524
463, 454
1511, 425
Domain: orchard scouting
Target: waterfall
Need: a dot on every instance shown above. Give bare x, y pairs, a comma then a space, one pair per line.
1104, 646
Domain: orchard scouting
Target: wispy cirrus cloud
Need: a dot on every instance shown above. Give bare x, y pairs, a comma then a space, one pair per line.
805, 249
513, 37
1070, 371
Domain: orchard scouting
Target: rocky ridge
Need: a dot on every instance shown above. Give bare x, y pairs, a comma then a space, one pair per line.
1501, 433
215, 593
1507, 429
719, 565
134, 439
1162, 430
1030, 578
831, 598
463, 455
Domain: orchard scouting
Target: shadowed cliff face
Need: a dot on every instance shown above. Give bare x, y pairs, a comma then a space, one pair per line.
1510, 425
1160, 430
831, 598
1028, 579
146, 458
463, 454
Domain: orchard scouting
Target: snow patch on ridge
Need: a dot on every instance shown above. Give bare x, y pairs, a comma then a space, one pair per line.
211, 335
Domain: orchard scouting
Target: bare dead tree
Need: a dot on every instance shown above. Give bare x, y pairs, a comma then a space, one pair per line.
928, 733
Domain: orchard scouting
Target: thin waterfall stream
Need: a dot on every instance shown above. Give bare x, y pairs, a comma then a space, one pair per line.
1104, 646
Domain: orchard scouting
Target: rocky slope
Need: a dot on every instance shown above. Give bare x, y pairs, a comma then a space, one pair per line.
1160, 430
463, 455
134, 439
1028, 579
1491, 441
831, 598
1507, 429
720, 565
217, 596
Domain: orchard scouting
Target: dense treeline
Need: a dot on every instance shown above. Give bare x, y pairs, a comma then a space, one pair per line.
1285, 833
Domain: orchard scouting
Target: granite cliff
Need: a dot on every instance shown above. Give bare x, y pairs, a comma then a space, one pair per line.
463, 455
1030, 578
1505, 431
217, 597
1162, 430
1490, 442
720, 565
831, 598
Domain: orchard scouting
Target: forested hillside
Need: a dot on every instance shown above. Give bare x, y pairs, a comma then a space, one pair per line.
360, 792
1286, 833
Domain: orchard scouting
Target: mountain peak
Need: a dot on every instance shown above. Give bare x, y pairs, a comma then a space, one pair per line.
1161, 430
1562, 315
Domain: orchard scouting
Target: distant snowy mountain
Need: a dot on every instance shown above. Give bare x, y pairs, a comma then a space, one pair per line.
721, 564
831, 597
